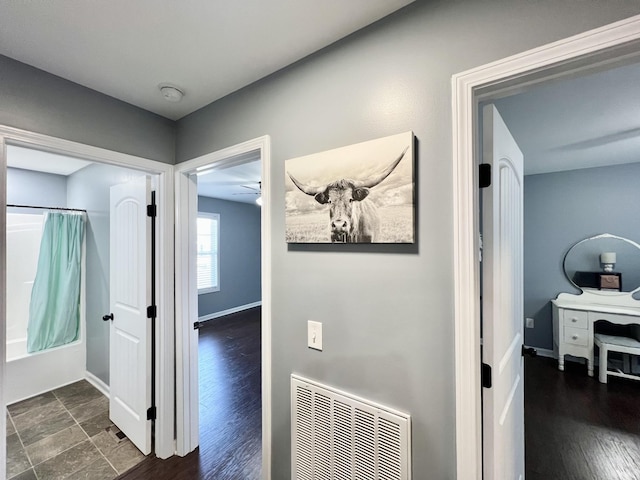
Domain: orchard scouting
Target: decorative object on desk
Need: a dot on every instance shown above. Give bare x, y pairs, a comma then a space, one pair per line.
608, 260
361, 193
583, 268
610, 282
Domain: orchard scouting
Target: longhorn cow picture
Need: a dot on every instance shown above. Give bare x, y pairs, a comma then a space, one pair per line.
361, 193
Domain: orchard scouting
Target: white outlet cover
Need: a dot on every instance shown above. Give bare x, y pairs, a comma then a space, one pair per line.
314, 335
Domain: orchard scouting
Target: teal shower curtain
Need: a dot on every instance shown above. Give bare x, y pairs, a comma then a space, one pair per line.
54, 311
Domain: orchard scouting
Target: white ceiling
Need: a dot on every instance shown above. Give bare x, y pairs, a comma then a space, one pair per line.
584, 122
40, 161
207, 48
238, 183
239, 180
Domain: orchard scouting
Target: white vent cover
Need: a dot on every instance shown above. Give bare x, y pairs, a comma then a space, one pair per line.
336, 436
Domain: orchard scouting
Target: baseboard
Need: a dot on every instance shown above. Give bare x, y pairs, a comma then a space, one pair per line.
229, 311
545, 352
96, 382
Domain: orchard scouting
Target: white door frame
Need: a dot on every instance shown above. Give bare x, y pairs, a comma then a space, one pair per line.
186, 299
165, 387
601, 46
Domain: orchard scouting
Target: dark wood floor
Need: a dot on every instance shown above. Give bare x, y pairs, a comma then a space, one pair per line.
230, 407
577, 428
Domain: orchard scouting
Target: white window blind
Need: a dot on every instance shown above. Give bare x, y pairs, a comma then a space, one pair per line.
208, 248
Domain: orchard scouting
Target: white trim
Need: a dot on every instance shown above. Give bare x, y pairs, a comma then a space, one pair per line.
466, 208
229, 311
545, 352
3, 306
165, 391
96, 382
186, 308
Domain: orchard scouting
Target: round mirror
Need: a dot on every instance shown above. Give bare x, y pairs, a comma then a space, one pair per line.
605, 262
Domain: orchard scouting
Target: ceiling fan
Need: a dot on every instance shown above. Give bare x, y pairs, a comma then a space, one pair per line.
256, 191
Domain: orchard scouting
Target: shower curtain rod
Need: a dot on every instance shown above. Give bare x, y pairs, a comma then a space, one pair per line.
49, 208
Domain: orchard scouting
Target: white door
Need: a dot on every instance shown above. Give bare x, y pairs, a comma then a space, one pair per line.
130, 330
502, 302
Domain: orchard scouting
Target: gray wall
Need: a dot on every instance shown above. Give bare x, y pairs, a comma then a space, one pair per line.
387, 312
25, 187
561, 209
239, 256
89, 189
39, 102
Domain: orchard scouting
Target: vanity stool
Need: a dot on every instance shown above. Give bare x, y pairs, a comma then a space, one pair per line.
611, 343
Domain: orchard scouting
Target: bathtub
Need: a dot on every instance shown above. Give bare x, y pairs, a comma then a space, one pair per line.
29, 374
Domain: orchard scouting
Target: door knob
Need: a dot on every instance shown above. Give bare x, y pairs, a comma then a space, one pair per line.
106, 318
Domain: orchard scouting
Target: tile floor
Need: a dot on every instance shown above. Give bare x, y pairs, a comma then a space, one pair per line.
66, 434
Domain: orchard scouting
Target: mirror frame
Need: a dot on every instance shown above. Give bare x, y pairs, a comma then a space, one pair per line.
595, 237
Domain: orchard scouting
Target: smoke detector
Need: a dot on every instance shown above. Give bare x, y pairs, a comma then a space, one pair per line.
170, 93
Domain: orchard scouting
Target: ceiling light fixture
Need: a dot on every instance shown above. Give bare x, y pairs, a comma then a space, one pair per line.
170, 93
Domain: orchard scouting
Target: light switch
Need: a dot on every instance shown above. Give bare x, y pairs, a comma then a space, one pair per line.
314, 334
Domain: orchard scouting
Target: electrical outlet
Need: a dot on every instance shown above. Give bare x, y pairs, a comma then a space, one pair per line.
314, 335
529, 322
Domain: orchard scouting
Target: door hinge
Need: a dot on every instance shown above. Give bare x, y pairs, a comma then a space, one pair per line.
151, 413
486, 375
197, 325
484, 175
152, 210
152, 311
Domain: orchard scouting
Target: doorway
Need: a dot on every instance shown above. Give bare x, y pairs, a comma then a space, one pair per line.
102, 160
576, 142
187, 189
599, 48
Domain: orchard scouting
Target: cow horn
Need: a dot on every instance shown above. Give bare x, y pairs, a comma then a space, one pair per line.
308, 189
375, 180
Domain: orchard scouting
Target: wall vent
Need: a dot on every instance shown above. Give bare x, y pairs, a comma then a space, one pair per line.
336, 436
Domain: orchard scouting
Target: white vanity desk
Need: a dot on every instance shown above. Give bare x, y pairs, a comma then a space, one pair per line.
574, 317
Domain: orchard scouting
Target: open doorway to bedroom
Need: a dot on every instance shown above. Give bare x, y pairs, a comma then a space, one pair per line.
229, 317
598, 49
223, 308
579, 139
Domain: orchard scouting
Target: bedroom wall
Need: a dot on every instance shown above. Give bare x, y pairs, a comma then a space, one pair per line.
561, 209
37, 101
387, 311
240, 269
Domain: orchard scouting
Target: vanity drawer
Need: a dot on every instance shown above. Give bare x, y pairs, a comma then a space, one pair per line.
576, 319
576, 336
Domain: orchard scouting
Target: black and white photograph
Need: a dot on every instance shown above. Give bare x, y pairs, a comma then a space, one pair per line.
361, 193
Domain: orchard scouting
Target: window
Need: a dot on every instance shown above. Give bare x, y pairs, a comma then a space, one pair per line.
208, 249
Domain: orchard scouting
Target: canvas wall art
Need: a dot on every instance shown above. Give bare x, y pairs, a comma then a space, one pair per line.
362, 193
